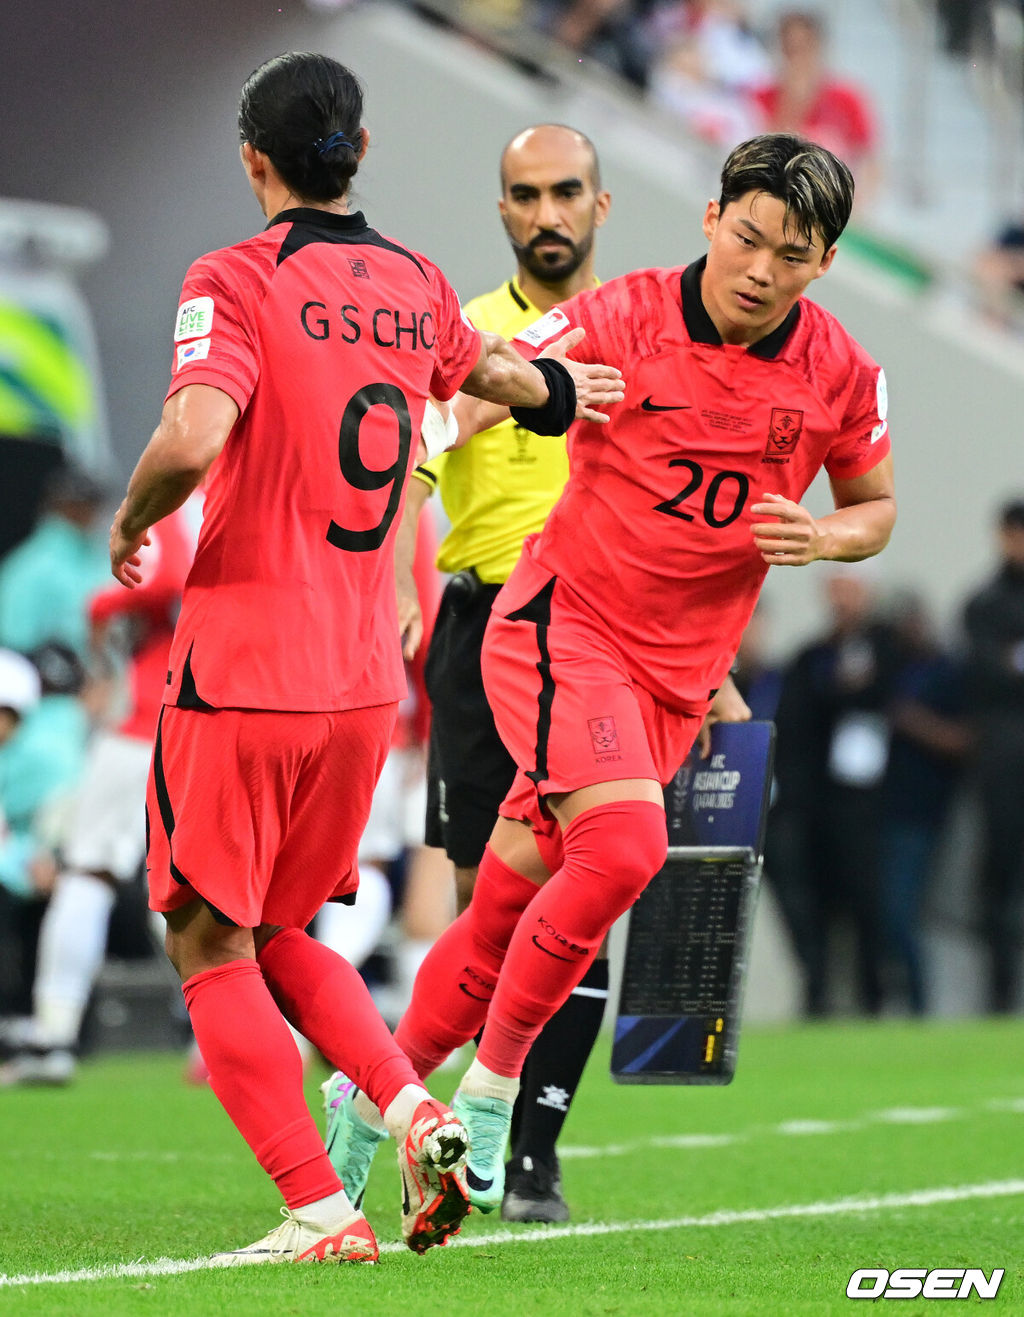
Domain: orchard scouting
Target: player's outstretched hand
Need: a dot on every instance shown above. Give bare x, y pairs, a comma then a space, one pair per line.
596, 386
125, 557
794, 540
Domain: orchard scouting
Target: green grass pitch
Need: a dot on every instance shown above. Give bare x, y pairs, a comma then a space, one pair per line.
838, 1146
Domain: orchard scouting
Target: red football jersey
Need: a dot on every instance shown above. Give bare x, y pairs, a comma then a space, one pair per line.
329, 337
653, 530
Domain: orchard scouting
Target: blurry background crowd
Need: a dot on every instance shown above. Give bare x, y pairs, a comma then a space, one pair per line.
895, 856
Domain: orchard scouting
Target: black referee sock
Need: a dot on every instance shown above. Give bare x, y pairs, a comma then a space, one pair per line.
555, 1065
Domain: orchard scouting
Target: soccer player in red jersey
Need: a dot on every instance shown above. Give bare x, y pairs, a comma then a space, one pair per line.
106, 835
617, 629
304, 359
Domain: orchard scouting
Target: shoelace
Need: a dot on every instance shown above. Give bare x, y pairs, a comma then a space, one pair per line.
285, 1237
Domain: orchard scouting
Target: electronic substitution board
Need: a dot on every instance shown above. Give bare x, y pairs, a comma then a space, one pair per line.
688, 935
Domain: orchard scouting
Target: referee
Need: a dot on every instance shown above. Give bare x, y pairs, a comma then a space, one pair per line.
495, 492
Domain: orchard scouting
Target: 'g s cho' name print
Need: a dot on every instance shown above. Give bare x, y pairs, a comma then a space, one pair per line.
389, 327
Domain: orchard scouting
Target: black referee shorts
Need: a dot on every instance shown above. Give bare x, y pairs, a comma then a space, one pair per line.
469, 771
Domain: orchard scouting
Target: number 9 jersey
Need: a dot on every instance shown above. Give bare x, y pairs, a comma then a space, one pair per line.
328, 337
653, 532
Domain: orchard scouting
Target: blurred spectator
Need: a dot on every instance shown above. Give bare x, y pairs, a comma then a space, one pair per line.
609, 31
831, 758
966, 25
46, 581
999, 274
929, 737
43, 729
106, 833
807, 98
994, 626
757, 678
710, 64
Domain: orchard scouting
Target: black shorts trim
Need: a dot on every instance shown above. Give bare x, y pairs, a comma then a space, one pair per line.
163, 800
538, 611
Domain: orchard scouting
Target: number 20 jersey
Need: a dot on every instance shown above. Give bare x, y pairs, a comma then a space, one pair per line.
653, 531
329, 338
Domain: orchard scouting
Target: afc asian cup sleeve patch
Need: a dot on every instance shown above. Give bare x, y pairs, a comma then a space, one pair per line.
882, 403
882, 396
194, 320
546, 328
197, 350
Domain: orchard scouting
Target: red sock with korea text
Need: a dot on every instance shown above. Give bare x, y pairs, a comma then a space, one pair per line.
325, 998
256, 1073
456, 981
611, 853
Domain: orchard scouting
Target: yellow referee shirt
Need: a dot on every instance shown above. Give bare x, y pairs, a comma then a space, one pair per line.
501, 486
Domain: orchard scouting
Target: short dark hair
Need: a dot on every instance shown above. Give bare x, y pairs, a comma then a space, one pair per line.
813, 184
1011, 516
290, 107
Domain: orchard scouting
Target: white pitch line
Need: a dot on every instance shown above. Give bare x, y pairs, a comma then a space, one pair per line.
711, 1220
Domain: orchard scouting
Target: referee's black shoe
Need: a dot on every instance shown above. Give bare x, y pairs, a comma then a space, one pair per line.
533, 1192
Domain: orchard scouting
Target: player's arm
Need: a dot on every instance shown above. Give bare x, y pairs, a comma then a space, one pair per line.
410, 617
193, 429
860, 526
473, 415
501, 375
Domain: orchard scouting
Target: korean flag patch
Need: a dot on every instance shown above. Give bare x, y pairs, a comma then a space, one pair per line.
197, 350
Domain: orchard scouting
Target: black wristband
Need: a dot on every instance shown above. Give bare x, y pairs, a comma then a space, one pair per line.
559, 412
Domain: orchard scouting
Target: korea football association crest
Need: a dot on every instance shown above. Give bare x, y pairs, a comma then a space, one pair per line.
784, 431
604, 737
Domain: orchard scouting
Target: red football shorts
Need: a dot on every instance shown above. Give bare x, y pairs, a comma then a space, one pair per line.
566, 706
260, 813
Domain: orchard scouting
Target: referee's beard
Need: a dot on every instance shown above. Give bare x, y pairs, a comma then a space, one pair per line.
552, 267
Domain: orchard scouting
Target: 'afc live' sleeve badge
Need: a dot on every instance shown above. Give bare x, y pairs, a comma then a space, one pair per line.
784, 431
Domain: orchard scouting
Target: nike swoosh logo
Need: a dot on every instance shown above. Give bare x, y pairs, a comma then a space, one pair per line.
475, 1182
547, 952
648, 406
463, 988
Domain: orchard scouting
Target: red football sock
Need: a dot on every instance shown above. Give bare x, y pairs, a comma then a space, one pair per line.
326, 999
456, 981
611, 854
256, 1072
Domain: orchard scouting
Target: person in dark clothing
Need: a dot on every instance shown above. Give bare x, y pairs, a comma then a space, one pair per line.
994, 626
928, 739
831, 757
